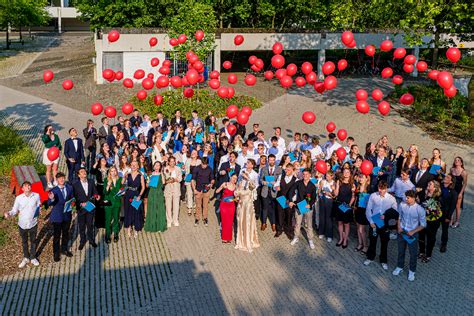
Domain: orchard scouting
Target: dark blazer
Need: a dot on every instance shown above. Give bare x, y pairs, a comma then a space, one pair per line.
149, 137
448, 203
423, 182
57, 212
120, 126
182, 122
81, 196
103, 134
134, 119
71, 152
90, 137
111, 140
164, 124
386, 164
225, 178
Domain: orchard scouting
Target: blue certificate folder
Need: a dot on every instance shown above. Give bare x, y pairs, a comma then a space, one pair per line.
375, 171
408, 239
302, 207
89, 207
136, 204
314, 180
148, 152
282, 201
344, 207
154, 181
292, 157
270, 179
434, 169
188, 178
377, 220
68, 205
37, 212
363, 199
228, 199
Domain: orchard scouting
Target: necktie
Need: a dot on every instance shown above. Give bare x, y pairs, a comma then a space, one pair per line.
271, 171
63, 190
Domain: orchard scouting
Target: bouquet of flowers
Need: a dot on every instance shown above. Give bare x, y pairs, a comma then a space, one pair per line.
433, 209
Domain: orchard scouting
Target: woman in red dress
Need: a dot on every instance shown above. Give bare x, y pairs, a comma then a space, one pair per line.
227, 208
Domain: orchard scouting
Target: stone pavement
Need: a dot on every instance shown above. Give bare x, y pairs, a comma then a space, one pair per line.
187, 270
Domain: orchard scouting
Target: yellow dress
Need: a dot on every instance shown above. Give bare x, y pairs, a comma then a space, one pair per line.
247, 237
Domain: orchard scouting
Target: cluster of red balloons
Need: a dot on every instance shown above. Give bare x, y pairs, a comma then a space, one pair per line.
242, 117
347, 39
48, 76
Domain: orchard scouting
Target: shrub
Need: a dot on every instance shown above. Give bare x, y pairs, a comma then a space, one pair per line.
14, 151
203, 101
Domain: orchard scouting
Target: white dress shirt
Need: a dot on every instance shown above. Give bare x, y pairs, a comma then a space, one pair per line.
399, 187
85, 186
294, 145
379, 204
74, 141
253, 177
411, 216
330, 148
27, 207
316, 152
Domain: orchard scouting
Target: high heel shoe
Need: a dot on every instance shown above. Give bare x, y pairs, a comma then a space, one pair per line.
339, 244
344, 246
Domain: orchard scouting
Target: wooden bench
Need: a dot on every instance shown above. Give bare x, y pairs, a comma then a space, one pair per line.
21, 174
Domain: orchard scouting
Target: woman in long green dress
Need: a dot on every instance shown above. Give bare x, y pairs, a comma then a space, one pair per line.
156, 214
112, 185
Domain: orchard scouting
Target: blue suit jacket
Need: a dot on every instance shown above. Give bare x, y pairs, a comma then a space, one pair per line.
57, 212
71, 152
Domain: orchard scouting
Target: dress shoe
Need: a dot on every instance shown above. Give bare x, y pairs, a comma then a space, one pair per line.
67, 253
273, 227
81, 246
57, 258
107, 240
93, 244
263, 227
116, 238
278, 234
442, 248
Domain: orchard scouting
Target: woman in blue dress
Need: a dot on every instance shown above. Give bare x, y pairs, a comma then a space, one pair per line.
135, 183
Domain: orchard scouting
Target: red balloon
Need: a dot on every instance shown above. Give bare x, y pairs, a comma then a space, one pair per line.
164, 70
174, 42
306, 67
377, 94
352, 44
450, 92
308, 117
127, 108
166, 63
96, 108
259, 63
370, 50
232, 111
232, 78
110, 111
341, 134
141, 95
328, 68
201, 78
268, 75
280, 73
319, 87
277, 49
184, 81
278, 61
247, 110
231, 129
300, 82
148, 83
118, 75
362, 107
108, 74
347, 37
192, 76
311, 78
399, 53
53, 153
238, 40
397, 79
139, 74
255, 68
453, 54
252, 59
223, 92
291, 69
68, 84
341, 64
433, 74
366, 167
182, 38
250, 80
341, 153
176, 81
321, 166
386, 46
445, 80
407, 99
387, 72
384, 107
231, 92
158, 99
421, 66
408, 68
154, 62
161, 82
188, 92
242, 118
199, 35
150, 76
128, 83
199, 66
410, 59
330, 82
153, 41
214, 74
361, 95
113, 36
48, 75
286, 82
331, 127
227, 64
214, 84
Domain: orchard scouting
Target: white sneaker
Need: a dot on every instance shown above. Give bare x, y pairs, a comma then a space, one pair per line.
23, 263
35, 262
168, 225
384, 266
411, 276
329, 239
397, 271
176, 224
311, 244
294, 241
393, 236
367, 262
321, 236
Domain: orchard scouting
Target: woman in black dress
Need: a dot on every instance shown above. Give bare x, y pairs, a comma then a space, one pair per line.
135, 183
460, 176
362, 191
99, 170
345, 196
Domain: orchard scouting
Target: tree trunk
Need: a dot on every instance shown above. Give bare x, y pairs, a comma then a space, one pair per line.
273, 21
21, 35
8, 39
435, 50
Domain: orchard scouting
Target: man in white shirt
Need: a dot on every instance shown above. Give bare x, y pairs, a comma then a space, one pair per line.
27, 205
401, 185
295, 144
316, 151
261, 140
349, 143
331, 145
281, 140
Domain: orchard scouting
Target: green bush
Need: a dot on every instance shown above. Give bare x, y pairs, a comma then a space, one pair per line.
444, 115
203, 101
14, 151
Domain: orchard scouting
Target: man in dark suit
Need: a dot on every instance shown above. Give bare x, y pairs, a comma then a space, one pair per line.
269, 193
136, 118
104, 131
162, 121
85, 191
384, 164
74, 152
112, 137
90, 146
120, 125
127, 130
151, 132
59, 217
227, 169
178, 120
422, 177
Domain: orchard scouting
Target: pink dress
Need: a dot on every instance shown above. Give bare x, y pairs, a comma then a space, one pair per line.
227, 210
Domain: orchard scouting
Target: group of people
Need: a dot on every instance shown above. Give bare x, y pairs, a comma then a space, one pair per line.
138, 172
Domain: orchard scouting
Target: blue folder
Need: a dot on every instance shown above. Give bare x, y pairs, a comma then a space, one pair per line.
363, 199
188, 178
302, 207
231, 172
270, 179
408, 239
154, 181
282, 201
132, 137
314, 180
377, 220
292, 157
89, 207
136, 204
334, 168
121, 192
199, 138
212, 129
434, 169
375, 171
344, 207
37, 212
228, 199
148, 152
68, 206
163, 137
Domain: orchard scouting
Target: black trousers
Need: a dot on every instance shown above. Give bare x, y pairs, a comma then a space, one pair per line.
444, 232
72, 168
86, 227
60, 236
384, 239
284, 220
427, 237
28, 235
268, 209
